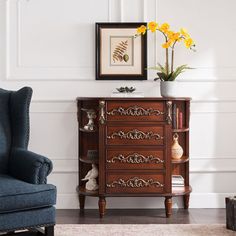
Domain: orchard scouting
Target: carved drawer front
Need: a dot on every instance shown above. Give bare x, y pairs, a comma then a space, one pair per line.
135, 159
133, 135
135, 111
135, 183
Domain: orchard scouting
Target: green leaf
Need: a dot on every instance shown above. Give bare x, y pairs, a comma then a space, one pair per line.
159, 67
179, 70
162, 76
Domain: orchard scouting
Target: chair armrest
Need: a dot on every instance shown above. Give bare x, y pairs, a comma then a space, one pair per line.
29, 167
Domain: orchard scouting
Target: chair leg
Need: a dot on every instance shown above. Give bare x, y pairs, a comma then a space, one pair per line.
49, 231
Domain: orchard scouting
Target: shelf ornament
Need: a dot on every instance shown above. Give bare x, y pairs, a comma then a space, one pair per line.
91, 114
91, 176
176, 149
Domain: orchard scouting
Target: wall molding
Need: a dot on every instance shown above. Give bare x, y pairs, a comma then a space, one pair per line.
15, 71
198, 165
49, 100
121, 10
205, 107
18, 72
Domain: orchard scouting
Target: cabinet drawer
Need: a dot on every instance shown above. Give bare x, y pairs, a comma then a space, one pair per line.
135, 135
135, 159
135, 183
135, 111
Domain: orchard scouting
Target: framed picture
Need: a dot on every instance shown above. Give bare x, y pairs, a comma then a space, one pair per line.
120, 55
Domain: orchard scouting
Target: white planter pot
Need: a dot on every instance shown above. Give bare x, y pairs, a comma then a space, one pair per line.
170, 89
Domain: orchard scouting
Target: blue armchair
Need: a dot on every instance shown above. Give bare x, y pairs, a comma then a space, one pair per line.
26, 201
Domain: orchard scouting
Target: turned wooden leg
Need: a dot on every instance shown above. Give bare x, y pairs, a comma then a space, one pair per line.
102, 206
49, 231
81, 201
186, 201
168, 206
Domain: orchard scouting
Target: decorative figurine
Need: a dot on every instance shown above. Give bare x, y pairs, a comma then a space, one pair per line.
126, 89
91, 177
176, 149
91, 114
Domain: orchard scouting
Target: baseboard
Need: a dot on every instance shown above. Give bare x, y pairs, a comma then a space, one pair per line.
197, 200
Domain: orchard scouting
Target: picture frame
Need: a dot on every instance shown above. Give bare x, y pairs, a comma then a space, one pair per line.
119, 54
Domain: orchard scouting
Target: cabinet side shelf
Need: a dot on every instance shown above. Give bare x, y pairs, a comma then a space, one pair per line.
180, 191
180, 130
83, 191
87, 131
88, 161
182, 160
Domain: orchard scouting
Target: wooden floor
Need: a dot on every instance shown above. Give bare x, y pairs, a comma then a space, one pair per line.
142, 216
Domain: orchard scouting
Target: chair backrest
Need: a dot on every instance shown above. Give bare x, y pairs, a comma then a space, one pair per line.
14, 122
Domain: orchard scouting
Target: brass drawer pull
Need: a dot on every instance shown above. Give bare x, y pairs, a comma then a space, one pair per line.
135, 158
102, 112
169, 112
135, 182
135, 135
134, 111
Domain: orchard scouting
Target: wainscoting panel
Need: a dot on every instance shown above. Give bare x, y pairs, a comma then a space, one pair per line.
212, 165
58, 44
214, 58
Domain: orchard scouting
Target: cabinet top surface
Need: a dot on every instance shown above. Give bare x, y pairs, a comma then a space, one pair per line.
135, 98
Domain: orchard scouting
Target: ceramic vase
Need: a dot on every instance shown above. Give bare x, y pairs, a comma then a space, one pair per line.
169, 89
176, 149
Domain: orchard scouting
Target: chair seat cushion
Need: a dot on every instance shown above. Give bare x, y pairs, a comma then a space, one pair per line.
17, 195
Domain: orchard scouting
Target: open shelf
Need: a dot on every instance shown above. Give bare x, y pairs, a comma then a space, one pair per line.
179, 191
88, 161
83, 191
180, 130
87, 131
183, 159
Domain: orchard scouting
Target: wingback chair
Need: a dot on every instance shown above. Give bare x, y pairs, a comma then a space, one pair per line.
26, 201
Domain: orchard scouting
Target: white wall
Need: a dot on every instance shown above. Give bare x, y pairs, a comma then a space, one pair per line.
50, 46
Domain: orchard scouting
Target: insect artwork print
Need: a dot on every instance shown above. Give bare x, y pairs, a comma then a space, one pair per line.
121, 49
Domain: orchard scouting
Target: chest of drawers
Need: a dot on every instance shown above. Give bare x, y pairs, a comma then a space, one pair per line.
133, 138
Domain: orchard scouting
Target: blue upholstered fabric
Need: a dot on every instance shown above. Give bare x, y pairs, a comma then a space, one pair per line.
5, 130
14, 122
29, 166
19, 110
25, 200
17, 195
27, 219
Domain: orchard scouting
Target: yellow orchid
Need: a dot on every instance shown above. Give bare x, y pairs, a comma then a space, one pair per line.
142, 29
167, 44
152, 26
170, 34
164, 27
176, 36
188, 42
172, 38
184, 32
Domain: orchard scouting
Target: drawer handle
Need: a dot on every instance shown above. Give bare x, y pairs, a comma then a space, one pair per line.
169, 112
135, 182
135, 158
135, 135
102, 112
134, 111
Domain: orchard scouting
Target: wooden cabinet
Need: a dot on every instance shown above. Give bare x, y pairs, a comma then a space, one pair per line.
133, 138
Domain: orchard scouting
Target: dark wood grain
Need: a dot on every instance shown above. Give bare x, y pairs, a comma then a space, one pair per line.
115, 141
135, 159
135, 111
